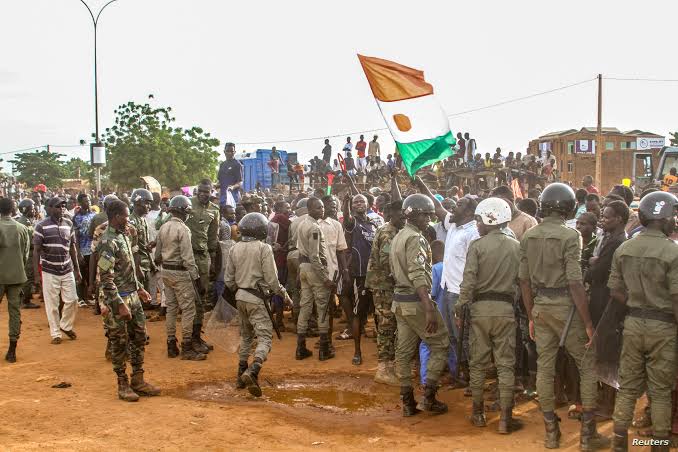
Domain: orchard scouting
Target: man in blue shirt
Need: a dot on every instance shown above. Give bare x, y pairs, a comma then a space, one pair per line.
81, 222
230, 175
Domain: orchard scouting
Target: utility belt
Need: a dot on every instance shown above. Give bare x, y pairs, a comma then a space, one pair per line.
652, 314
200, 252
405, 298
494, 296
126, 294
179, 268
553, 291
257, 293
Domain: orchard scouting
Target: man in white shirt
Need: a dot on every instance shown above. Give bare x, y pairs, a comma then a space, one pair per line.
348, 147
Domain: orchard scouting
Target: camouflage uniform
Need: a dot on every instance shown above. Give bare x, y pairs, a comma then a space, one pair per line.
204, 225
27, 289
380, 280
120, 285
146, 264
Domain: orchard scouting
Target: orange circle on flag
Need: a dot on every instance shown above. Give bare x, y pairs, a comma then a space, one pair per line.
402, 122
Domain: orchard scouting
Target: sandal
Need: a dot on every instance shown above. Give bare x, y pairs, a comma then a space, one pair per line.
574, 412
344, 336
357, 360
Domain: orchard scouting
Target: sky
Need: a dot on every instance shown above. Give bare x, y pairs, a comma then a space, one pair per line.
270, 71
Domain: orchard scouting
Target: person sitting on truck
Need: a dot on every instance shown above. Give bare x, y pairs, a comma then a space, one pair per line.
230, 175
669, 179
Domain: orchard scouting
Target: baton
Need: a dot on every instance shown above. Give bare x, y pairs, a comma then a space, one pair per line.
330, 297
268, 310
566, 328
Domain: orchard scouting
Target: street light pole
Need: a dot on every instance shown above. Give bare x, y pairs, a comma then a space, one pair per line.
95, 21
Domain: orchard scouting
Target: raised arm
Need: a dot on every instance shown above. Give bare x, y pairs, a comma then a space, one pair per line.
441, 213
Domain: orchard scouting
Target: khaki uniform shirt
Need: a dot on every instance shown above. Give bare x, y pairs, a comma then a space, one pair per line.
29, 225
255, 269
14, 247
311, 243
549, 258
410, 261
335, 240
204, 225
521, 223
379, 274
491, 266
294, 226
173, 246
647, 267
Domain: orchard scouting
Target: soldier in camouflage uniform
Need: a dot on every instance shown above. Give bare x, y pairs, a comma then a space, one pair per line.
644, 276
204, 225
380, 280
27, 218
415, 313
122, 312
141, 202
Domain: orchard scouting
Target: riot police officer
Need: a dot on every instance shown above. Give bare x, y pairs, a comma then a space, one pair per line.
27, 218
551, 285
644, 278
415, 313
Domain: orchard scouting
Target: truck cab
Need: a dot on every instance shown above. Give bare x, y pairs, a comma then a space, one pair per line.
668, 159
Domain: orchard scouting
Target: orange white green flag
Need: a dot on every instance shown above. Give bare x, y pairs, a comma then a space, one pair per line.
416, 120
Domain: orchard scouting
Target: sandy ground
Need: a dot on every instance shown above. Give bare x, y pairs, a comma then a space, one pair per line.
308, 405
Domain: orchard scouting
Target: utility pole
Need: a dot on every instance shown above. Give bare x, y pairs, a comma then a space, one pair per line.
600, 144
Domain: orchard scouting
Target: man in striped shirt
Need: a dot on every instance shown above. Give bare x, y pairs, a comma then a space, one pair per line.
55, 250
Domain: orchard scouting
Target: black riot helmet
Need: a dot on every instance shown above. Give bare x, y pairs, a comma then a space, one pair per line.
416, 204
557, 197
108, 199
658, 205
180, 204
26, 205
141, 195
254, 225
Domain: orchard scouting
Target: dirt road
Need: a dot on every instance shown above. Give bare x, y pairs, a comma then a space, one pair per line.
308, 405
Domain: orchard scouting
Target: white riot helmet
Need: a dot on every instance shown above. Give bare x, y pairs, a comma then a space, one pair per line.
493, 211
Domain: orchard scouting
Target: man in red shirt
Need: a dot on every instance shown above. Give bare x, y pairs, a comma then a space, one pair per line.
360, 147
587, 182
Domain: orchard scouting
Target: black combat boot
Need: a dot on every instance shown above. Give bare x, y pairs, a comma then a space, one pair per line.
10, 357
141, 386
124, 391
429, 402
302, 351
188, 351
196, 342
478, 414
620, 439
589, 438
552, 437
198, 332
506, 422
172, 349
661, 443
242, 367
251, 378
325, 353
409, 403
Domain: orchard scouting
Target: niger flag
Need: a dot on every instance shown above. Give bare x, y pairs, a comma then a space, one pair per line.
417, 123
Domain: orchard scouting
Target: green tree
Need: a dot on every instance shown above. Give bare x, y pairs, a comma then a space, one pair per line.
77, 168
143, 142
674, 138
40, 167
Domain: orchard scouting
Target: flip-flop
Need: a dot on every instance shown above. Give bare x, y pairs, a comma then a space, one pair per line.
344, 336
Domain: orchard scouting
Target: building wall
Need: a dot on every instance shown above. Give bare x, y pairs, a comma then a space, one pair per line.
617, 159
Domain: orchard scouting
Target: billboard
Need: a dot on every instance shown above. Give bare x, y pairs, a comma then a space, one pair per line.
647, 143
585, 147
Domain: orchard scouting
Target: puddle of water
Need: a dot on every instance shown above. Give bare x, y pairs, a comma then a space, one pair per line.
338, 396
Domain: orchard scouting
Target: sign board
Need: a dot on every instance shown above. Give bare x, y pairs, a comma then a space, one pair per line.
585, 147
544, 147
97, 153
646, 143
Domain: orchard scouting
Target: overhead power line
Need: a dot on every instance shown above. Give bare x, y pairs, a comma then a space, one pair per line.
638, 79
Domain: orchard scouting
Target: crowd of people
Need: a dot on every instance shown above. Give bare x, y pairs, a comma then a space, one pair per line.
533, 285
